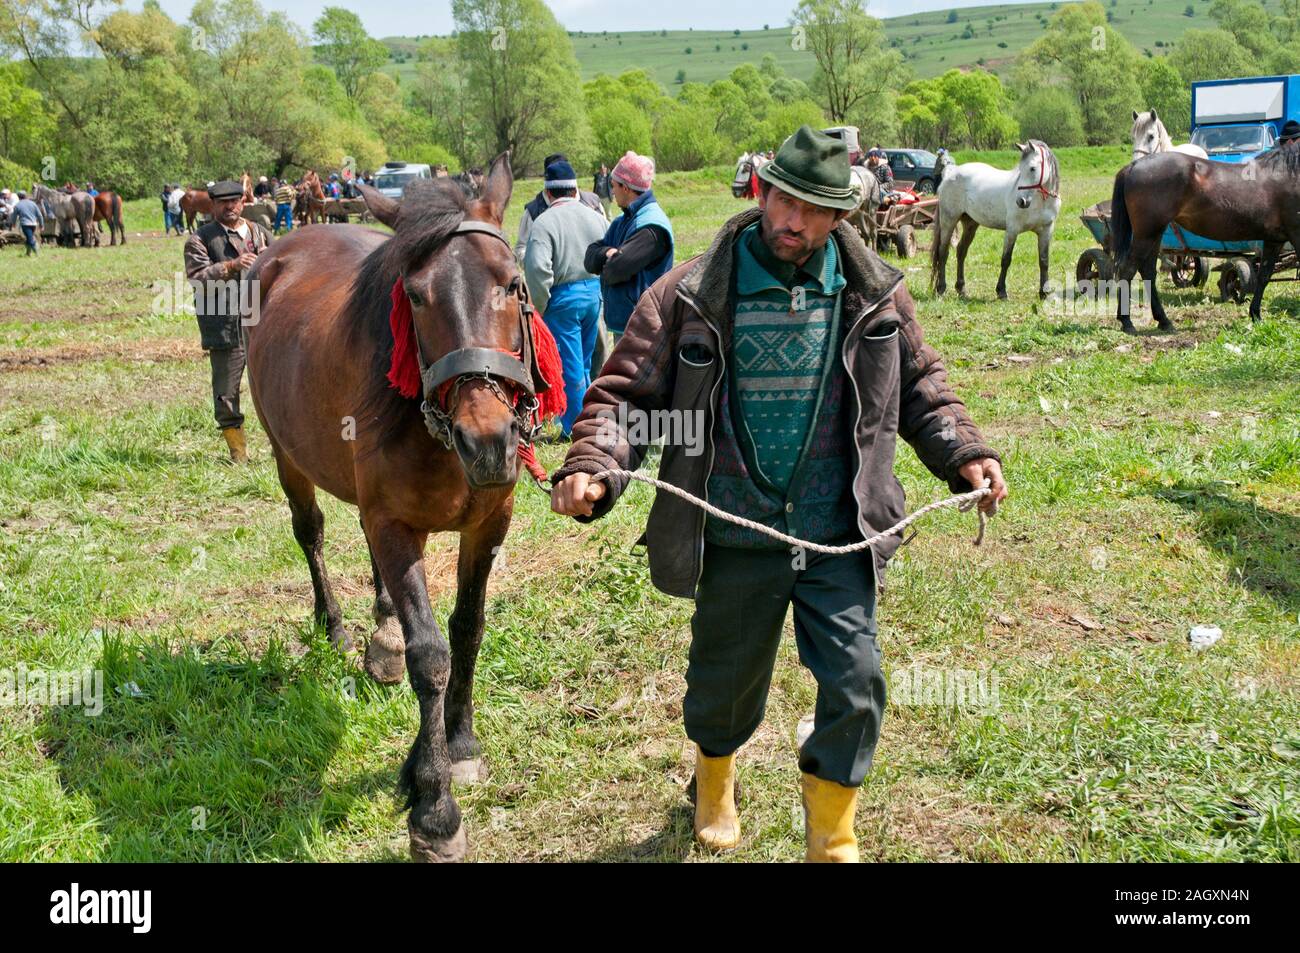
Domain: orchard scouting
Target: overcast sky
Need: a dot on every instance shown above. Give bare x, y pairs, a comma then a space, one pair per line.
387, 18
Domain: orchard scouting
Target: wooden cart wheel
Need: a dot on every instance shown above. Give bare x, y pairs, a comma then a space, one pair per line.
905, 241
1094, 267
1237, 281
1188, 271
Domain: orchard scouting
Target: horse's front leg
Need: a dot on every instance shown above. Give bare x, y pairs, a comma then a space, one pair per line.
1008, 249
1267, 264
1044, 262
478, 549
434, 824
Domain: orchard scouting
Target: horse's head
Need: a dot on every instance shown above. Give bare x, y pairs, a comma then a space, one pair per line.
1037, 173
1149, 135
472, 329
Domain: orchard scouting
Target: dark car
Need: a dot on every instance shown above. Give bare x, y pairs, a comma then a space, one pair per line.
914, 165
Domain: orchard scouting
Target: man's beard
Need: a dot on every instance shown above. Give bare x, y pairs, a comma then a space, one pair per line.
788, 253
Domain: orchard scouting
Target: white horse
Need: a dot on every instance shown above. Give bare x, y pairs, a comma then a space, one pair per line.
1024, 199
1150, 137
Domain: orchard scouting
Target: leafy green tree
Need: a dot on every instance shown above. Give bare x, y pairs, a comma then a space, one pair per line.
618, 126
25, 123
346, 47
1210, 54
857, 71
1164, 91
684, 138
1051, 115
521, 75
1083, 53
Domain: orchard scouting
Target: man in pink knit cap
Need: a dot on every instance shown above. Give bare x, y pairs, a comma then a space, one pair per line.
638, 247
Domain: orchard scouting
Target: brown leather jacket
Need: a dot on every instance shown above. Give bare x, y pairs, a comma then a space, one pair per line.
674, 354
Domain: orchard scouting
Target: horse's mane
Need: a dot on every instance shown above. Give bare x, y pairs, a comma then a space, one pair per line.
1287, 157
430, 211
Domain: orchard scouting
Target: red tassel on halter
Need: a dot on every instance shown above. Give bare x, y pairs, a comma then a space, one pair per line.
404, 369
552, 403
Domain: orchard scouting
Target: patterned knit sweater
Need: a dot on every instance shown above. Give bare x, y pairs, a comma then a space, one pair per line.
782, 454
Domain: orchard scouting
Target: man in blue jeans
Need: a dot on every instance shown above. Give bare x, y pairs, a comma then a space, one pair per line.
562, 289
31, 220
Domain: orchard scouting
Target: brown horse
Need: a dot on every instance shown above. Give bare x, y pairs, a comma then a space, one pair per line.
108, 208
1257, 200
318, 359
311, 199
195, 202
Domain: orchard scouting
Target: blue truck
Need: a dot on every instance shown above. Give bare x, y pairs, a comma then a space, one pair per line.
1234, 120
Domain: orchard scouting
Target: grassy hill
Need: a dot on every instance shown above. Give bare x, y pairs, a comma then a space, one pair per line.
930, 43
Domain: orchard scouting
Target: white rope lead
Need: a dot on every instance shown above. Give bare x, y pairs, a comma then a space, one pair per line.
963, 502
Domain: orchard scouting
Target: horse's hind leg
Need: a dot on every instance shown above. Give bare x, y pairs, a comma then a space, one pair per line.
968, 229
434, 824
1150, 267
1140, 251
477, 552
309, 531
386, 651
1044, 260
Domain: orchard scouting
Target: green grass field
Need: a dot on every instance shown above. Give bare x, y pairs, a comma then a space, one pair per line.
1155, 485
930, 43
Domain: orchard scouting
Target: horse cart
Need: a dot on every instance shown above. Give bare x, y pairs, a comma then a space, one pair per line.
1186, 257
897, 224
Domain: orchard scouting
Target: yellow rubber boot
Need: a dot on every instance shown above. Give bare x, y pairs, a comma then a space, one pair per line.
716, 825
828, 810
238, 446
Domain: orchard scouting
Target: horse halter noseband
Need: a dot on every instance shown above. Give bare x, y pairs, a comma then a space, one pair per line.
1042, 176
466, 364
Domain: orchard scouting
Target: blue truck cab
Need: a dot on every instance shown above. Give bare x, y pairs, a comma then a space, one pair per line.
1234, 120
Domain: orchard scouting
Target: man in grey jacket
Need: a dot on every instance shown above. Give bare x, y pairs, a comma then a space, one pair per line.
566, 294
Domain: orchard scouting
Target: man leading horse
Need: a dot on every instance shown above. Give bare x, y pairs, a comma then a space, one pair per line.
797, 349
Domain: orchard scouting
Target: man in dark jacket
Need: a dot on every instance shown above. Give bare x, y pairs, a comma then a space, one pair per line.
216, 258
637, 248
797, 351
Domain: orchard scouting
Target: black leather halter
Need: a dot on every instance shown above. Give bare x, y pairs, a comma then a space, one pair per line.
489, 364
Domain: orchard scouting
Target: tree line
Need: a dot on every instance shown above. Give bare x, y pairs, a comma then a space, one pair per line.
89, 90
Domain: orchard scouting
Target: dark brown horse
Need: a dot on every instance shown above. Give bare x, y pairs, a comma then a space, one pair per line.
318, 359
108, 208
195, 202
1257, 200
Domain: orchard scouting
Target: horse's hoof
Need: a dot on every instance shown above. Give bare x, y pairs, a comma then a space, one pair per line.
1128, 329
1002, 296
386, 653
469, 771
449, 850
340, 639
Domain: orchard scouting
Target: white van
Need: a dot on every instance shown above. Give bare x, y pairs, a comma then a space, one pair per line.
394, 177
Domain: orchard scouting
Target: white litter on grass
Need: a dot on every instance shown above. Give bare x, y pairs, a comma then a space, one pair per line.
1203, 636
131, 690
1233, 348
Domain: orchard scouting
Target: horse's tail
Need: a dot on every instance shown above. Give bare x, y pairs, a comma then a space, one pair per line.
1121, 228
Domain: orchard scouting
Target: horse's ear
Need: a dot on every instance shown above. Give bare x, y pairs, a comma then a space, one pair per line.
1135, 115
500, 183
1154, 117
380, 205
1024, 148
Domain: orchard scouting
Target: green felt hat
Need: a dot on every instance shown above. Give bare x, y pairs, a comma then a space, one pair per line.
813, 166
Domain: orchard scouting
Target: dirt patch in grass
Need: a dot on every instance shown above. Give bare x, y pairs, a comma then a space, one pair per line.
149, 351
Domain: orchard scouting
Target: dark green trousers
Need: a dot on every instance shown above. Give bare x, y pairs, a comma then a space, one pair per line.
227, 376
740, 609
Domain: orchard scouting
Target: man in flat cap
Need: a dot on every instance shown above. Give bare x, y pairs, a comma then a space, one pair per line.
796, 349
216, 258
1290, 137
